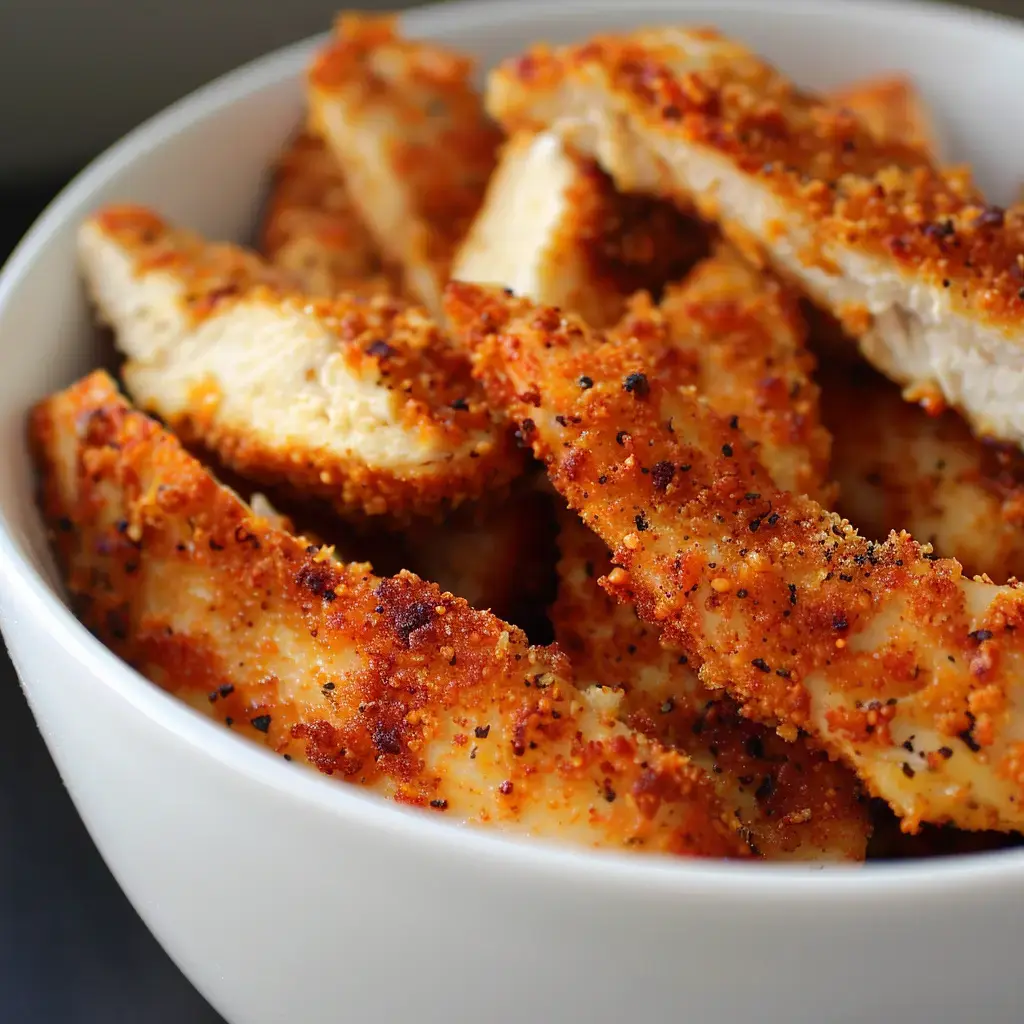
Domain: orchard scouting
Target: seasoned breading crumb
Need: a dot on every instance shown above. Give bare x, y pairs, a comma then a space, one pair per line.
886, 655
386, 683
408, 129
365, 403
893, 110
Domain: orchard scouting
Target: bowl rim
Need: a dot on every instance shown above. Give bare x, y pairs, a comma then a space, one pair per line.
667, 877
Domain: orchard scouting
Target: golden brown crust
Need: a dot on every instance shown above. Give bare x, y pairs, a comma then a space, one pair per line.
890, 659
876, 197
382, 343
794, 803
737, 336
312, 230
900, 469
740, 340
408, 129
387, 683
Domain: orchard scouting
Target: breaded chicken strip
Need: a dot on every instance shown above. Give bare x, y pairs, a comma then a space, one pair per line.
388, 683
899, 468
408, 130
739, 336
554, 229
365, 403
913, 262
312, 230
793, 802
890, 659
893, 110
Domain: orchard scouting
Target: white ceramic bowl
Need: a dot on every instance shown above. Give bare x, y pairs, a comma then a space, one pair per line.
286, 896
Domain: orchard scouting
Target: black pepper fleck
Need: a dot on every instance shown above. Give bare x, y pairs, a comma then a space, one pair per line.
637, 385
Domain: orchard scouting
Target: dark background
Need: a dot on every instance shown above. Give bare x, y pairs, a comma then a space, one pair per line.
71, 947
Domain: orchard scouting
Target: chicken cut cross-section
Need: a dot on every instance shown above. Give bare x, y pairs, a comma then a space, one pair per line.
916, 265
554, 229
363, 402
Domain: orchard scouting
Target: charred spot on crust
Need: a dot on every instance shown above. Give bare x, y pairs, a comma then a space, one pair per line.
404, 616
387, 740
662, 474
318, 579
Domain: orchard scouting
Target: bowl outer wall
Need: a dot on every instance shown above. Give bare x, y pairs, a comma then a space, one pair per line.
286, 896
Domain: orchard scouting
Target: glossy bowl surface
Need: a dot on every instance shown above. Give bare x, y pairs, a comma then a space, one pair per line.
287, 896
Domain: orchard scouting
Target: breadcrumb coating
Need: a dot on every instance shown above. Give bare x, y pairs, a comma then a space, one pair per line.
386, 683
363, 402
888, 657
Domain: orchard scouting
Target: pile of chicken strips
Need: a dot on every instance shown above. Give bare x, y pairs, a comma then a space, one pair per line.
626, 456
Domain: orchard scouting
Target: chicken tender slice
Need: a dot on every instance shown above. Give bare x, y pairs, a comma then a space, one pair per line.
893, 110
889, 658
409, 132
910, 258
365, 403
312, 230
899, 468
554, 229
794, 803
739, 335
387, 683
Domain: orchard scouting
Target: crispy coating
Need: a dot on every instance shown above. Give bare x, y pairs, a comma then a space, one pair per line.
739, 338
408, 130
899, 468
794, 803
363, 402
311, 228
553, 228
387, 683
892, 109
888, 657
910, 258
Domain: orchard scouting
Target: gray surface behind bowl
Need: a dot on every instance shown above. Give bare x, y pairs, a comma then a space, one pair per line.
73, 77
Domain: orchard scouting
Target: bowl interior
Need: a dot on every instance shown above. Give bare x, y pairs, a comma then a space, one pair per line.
204, 162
